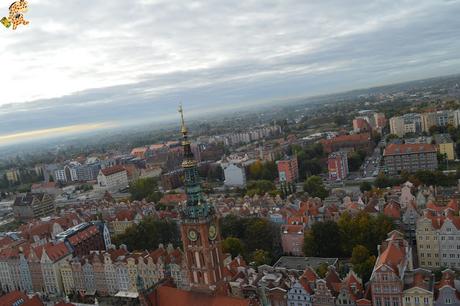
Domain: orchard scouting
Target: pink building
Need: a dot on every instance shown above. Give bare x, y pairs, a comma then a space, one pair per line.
387, 279
292, 237
337, 166
288, 169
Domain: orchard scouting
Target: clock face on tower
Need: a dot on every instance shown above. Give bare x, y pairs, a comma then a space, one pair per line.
192, 235
212, 232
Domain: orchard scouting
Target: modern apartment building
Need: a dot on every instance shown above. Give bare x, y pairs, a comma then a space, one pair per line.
410, 157
337, 165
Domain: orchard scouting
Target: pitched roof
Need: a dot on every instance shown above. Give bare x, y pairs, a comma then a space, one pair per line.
165, 295
112, 170
19, 298
409, 148
56, 251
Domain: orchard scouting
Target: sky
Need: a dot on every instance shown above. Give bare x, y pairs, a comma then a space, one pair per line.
91, 64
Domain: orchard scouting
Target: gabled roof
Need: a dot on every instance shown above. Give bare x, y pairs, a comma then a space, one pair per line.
112, 170
176, 297
19, 298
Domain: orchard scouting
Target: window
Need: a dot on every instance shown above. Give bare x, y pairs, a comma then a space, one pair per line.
426, 300
416, 300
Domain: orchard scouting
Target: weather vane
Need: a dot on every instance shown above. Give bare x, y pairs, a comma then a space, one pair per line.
16, 15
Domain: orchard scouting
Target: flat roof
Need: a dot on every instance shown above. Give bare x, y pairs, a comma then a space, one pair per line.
301, 263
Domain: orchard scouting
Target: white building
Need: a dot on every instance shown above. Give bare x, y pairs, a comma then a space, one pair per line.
234, 174
112, 178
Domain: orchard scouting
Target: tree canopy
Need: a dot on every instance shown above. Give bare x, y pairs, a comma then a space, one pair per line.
148, 234
315, 187
146, 188
331, 239
253, 233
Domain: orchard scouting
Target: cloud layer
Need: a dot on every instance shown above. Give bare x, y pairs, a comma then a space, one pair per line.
84, 61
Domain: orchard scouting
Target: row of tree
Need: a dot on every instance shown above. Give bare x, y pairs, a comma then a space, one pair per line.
339, 239
256, 239
148, 234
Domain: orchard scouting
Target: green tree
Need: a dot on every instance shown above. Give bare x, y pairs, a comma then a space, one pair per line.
315, 187
261, 257
146, 188
322, 269
260, 187
234, 246
363, 262
365, 186
323, 240
148, 234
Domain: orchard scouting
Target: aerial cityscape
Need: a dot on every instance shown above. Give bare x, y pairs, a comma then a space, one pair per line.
302, 164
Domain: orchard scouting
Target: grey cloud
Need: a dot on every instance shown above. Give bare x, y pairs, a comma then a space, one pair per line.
216, 53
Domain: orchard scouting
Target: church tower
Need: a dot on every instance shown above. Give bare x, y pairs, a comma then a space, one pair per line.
199, 227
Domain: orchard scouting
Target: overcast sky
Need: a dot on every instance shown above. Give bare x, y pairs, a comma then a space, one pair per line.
94, 63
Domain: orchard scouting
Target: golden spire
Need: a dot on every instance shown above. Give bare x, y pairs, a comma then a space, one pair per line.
181, 112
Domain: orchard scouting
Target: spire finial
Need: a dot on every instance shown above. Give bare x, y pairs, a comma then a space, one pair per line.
181, 112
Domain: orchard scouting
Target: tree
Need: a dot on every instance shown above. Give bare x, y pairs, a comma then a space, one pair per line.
234, 246
363, 262
323, 240
261, 257
322, 269
260, 187
146, 188
315, 187
148, 234
365, 186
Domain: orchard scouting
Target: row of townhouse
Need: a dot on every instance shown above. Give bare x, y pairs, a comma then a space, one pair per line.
438, 237
119, 272
394, 282
33, 269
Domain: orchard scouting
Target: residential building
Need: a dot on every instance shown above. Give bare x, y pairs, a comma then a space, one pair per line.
33, 205
438, 237
288, 169
428, 120
235, 175
408, 123
418, 288
447, 291
113, 178
361, 125
85, 237
354, 142
52, 257
299, 294
410, 158
379, 120
123, 220
13, 176
387, 279
337, 165
292, 238
445, 145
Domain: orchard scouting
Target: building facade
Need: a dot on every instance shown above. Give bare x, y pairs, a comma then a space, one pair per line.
410, 158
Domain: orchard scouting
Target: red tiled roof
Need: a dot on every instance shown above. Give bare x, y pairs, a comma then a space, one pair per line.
408, 148
125, 215
392, 210
14, 298
83, 235
292, 229
176, 297
348, 138
112, 170
56, 251
173, 198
